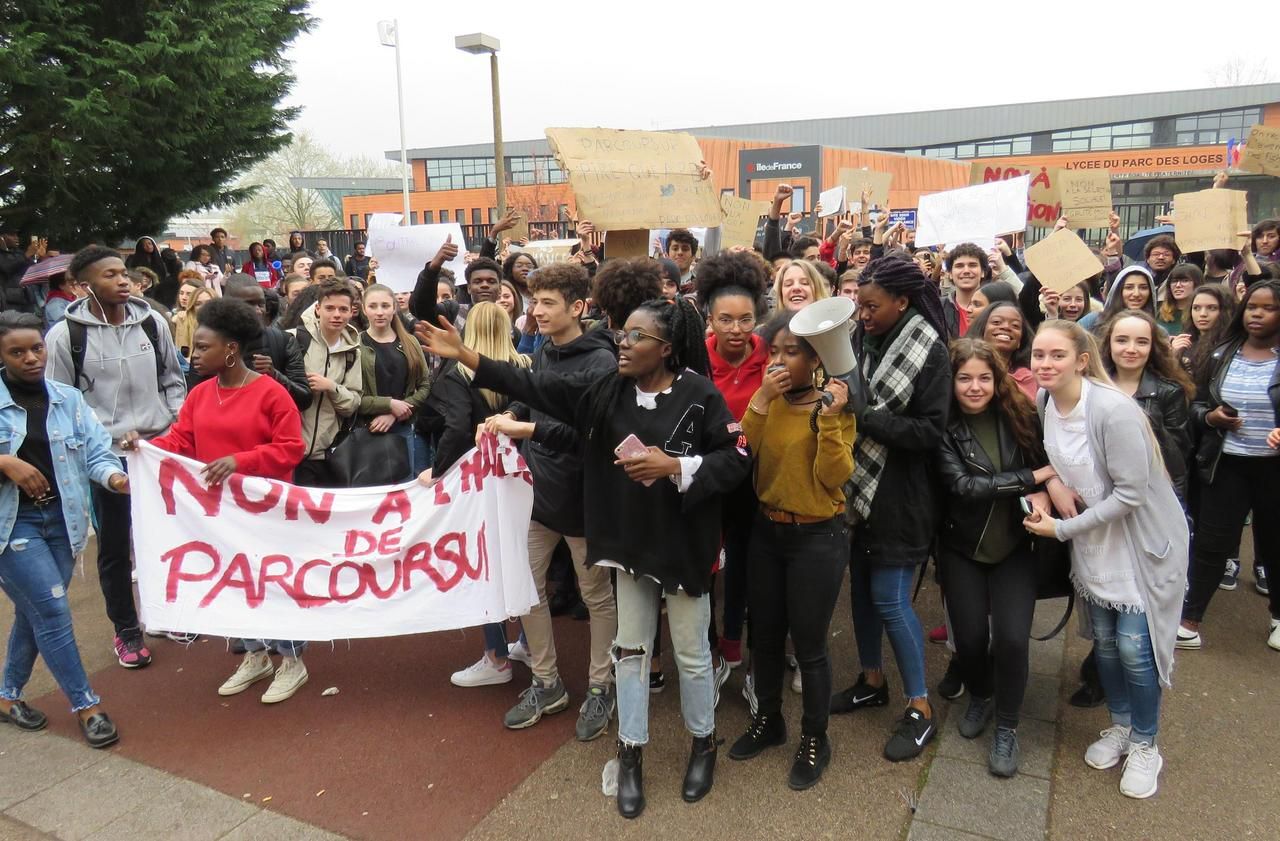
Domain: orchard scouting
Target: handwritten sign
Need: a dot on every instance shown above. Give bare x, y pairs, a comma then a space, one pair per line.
858, 181
832, 201
626, 243
260, 558
1209, 219
741, 220
1262, 151
1086, 197
402, 252
1044, 202
548, 251
626, 180
1061, 260
520, 231
384, 220
973, 213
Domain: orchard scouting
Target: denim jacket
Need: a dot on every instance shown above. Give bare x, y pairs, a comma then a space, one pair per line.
81, 450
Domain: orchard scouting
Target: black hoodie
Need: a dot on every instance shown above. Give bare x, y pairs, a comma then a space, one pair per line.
554, 452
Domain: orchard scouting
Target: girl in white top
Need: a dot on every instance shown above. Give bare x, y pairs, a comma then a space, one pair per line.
1129, 541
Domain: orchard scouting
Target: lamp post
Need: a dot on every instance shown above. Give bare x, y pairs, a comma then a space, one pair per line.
389, 35
479, 44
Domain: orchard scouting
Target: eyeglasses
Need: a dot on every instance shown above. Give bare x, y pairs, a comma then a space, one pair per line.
745, 323
1181, 280
633, 337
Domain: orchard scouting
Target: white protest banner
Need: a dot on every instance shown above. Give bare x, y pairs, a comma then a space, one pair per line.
384, 220
402, 252
832, 201
262, 559
548, 251
973, 213
627, 180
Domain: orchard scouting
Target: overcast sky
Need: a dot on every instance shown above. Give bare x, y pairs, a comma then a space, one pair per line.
661, 64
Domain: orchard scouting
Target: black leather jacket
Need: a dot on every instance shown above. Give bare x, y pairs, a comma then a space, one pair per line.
1209, 397
971, 484
1166, 406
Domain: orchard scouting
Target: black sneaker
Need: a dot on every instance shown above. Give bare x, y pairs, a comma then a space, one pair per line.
811, 760
976, 717
1260, 580
913, 732
1003, 758
860, 695
952, 685
657, 682
1230, 575
765, 731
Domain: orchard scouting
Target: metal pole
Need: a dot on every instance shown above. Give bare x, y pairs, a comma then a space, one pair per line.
499, 160
404, 155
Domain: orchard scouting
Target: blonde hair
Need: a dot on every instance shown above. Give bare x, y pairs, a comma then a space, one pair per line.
817, 282
488, 333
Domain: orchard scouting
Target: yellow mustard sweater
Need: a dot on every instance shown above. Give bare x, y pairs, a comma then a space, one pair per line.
797, 471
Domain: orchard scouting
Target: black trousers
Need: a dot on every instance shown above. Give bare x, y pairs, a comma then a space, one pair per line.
114, 568
314, 473
991, 607
793, 581
1240, 484
739, 511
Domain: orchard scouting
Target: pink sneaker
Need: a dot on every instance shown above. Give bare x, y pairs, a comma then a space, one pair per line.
132, 653
938, 634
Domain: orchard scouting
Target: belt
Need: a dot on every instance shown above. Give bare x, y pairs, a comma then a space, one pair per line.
42, 502
777, 515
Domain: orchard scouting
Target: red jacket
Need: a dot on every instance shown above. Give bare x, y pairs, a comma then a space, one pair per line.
248, 268
738, 382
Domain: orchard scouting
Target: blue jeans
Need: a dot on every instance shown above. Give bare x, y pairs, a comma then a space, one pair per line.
288, 648
35, 569
687, 618
881, 601
495, 637
1127, 668
419, 451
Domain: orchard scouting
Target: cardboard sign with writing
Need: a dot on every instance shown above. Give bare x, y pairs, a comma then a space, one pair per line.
627, 180
972, 214
1209, 219
855, 181
741, 220
634, 243
1086, 197
1262, 151
520, 231
1044, 202
1061, 260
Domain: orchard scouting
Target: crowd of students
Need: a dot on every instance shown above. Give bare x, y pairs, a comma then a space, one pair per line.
679, 431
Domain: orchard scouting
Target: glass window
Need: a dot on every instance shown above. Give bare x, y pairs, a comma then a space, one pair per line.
428, 217
444, 216
1215, 127
460, 216
366, 219
475, 216
355, 220
413, 217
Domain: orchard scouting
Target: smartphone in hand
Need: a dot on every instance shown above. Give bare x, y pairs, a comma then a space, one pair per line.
631, 447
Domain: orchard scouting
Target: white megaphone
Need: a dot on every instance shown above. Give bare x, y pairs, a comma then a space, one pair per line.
825, 326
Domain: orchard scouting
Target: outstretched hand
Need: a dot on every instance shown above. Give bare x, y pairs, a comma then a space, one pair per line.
446, 342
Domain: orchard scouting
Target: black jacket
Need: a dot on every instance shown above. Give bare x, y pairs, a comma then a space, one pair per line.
1209, 397
904, 512
13, 295
554, 452
970, 485
451, 414
1166, 406
287, 365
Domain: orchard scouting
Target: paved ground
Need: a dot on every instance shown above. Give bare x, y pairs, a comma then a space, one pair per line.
399, 753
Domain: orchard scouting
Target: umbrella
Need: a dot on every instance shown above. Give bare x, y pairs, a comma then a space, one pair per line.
45, 269
1134, 246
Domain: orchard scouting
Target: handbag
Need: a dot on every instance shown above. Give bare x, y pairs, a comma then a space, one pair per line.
1053, 577
365, 459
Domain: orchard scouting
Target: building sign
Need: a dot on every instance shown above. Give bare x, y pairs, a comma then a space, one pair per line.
1196, 160
781, 163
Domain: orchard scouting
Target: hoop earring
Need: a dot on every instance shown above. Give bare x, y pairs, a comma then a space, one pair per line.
230, 361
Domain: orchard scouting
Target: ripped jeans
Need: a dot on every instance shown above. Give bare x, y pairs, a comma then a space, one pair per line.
35, 569
687, 617
1127, 669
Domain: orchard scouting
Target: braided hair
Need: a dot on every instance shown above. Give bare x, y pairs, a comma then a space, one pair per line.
899, 275
683, 328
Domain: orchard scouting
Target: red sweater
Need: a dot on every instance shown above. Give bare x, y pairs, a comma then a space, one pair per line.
258, 424
738, 382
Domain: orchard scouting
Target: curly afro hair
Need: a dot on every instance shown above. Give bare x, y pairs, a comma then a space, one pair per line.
731, 273
621, 286
232, 319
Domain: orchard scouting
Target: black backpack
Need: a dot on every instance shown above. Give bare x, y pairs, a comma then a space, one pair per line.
77, 332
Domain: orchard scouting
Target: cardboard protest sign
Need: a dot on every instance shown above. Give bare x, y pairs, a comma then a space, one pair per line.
627, 180
1086, 197
626, 243
520, 231
402, 252
1209, 219
973, 213
548, 251
1061, 260
832, 201
263, 559
857, 181
1044, 202
741, 220
1262, 151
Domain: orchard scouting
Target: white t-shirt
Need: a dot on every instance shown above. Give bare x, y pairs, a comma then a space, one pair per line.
1100, 563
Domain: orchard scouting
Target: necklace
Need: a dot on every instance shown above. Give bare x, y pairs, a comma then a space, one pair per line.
797, 402
234, 389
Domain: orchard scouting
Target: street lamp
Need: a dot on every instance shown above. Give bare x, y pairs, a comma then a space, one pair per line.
389, 35
478, 44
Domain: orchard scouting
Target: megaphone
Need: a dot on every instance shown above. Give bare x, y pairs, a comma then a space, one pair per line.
825, 326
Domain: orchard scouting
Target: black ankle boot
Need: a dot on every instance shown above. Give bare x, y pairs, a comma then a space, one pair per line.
811, 760
702, 768
630, 780
765, 731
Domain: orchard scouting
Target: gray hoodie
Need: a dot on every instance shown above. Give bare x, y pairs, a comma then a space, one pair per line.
119, 379
1093, 321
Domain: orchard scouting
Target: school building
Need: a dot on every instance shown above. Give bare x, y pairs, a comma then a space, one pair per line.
1154, 145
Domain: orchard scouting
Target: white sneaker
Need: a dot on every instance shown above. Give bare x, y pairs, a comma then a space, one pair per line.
1274, 639
1188, 640
483, 672
796, 685
1107, 751
519, 652
254, 667
289, 679
1141, 771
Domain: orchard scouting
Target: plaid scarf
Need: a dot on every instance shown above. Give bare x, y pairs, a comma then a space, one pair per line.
891, 385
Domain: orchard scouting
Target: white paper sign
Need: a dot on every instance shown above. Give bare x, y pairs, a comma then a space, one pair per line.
548, 251
384, 220
262, 559
963, 215
402, 252
832, 201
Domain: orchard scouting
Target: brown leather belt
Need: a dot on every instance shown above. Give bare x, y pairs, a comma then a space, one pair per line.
777, 515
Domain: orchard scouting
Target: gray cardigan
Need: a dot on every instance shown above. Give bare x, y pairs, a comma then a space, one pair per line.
1139, 494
